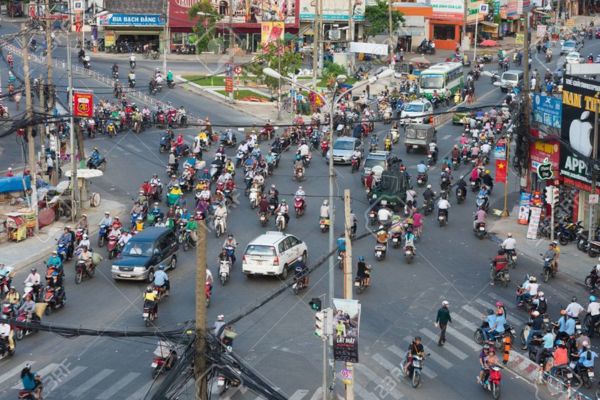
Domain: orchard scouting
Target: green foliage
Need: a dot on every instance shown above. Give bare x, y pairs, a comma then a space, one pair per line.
377, 18
207, 21
275, 56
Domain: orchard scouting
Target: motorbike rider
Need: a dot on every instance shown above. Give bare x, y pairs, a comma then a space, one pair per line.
574, 308
86, 256
263, 205
552, 253
131, 77
382, 235
586, 357
298, 166
230, 242
85, 241
487, 180
509, 244
169, 77
83, 223
409, 239
384, 214
34, 279
483, 363
363, 271
66, 240
422, 168
125, 236
32, 382
221, 212
13, 297
6, 336
300, 194
500, 263
54, 261
301, 271
480, 216
150, 297
414, 349
566, 326
106, 220
284, 209
443, 207
433, 150
324, 210
115, 69
428, 195
593, 310
528, 290
161, 279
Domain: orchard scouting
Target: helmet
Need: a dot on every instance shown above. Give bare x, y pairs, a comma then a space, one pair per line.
535, 313
428, 186
509, 234
592, 298
445, 303
486, 346
230, 236
487, 171
541, 294
220, 317
361, 259
325, 202
273, 186
381, 227
283, 201
384, 203
299, 187
532, 279
27, 366
499, 304
161, 267
33, 270
573, 299
149, 289
106, 213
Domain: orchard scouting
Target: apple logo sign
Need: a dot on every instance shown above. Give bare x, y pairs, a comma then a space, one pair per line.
580, 135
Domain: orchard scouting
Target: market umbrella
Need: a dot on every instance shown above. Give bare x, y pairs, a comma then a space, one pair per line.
419, 60
488, 43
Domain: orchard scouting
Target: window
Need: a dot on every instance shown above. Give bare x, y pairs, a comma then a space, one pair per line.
343, 145
258, 250
432, 81
293, 241
443, 32
282, 247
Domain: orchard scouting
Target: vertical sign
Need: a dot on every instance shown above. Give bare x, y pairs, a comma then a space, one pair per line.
346, 323
524, 204
83, 104
229, 84
534, 223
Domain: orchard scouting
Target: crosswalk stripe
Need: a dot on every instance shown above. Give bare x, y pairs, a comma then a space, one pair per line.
390, 367
118, 386
378, 380
497, 297
7, 375
90, 383
71, 373
47, 370
141, 392
363, 393
318, 394
447, 346
513, 320
466, 340
436, 357
298, 394
476, 313
467, 324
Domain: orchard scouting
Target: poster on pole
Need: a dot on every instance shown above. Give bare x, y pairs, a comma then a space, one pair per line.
271, 32
83, 104
346, 322
524, 204
534, 223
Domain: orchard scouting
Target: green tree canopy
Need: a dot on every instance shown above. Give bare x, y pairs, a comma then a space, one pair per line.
377, 18
205, 29
278, 57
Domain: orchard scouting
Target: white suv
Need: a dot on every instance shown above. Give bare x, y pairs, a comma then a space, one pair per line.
273, 253
416, 112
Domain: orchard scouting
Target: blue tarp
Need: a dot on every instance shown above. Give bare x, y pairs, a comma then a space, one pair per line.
14, 183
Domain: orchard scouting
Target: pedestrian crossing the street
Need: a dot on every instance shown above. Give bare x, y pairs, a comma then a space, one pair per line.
379, 374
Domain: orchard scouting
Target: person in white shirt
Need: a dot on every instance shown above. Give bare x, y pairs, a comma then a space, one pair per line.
486, 148
304, 150
125, 236
384, 215
443, 207
594, 311
85, 241
509, 243
324, 211
5, 335
221, 211
574, 308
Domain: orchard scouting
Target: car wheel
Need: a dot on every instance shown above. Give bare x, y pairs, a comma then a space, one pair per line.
284, 272
151, 275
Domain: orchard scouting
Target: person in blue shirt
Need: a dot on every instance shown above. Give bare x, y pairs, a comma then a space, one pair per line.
31, 381
421, 167
490, 322
161, 279
586, 357
548, 340
566, 326
55, 261
341, 243
499, 324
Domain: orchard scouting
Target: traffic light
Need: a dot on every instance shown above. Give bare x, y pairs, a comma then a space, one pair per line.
555, 195
315, 304
320, 317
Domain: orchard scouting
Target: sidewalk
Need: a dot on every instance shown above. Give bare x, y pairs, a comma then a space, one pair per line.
573, 262
38, 248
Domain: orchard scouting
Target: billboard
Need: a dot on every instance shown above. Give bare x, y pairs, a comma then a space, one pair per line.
271, 32
130, 20
346, 323
83, 104
333, 10
257, 11
580, 99
544, 151
444, 9
547, 110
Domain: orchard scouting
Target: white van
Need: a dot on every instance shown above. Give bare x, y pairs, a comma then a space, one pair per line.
273, 253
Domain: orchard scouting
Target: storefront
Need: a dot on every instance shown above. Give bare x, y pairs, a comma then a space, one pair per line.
336, 20
445, 25
129, 32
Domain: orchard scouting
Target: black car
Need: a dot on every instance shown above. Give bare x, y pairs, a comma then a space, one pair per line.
144, 252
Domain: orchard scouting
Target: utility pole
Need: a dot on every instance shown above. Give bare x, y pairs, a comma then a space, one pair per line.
316, 40
350, 35
391, 30
42, 125
526, 84
167, 42
49, 78
463, 40
200, 343
594, 158
29, 118
74, 183
505, 209
231, 49
348, 276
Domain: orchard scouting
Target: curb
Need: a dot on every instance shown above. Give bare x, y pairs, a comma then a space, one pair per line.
523, 367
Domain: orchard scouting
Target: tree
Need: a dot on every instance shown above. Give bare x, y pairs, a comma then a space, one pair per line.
377, 18
205, 29
277, 56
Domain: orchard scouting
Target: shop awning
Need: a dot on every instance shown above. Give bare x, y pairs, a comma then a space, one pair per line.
487, 23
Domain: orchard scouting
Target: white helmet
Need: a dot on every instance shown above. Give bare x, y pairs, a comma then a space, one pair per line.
325, 202
428, 186
535, 313
220, 317
509, 234
445, 303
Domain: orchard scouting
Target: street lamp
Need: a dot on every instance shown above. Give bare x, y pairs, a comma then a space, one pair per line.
330, 104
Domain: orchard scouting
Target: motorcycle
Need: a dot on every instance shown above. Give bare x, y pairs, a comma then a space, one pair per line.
442, 220
96, 163
299, 175
62, 252
355, 163
414, 370
478, 335
568, 233
512, 258
359, 284
186, 239
219, 226
102, 235
428, 206
482, 202
263, 218
29, 394
591, 280
461, 194
299, 206
5, 349
548, 271
372, 217
324, 224
380, 250
82, 270
426, 48
422, 179
165, 357
475, 185
480, 230
54, 299
224, 269
253, 196
492, 383
299, 284
112, 246
148, 312
280, 222
21, 332
396, 239
409, 253
501, 276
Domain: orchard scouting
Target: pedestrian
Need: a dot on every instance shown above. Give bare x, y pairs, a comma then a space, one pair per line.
49, 165
442, 320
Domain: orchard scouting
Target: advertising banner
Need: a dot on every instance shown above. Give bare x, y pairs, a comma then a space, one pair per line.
83, 104
346, 323
524, 204
443, 9
178, 14
256, 11
109, 38
547, 110
333, 10
580, 99
130, 20
271, 32
539, 151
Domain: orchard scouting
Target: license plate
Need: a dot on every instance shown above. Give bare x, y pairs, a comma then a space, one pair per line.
378, 254
441, 218
357, 284
578, 327
420, 180
417, 364
322, 226
481, 228
513, 331
591, 374
408, 253
145, 315
154, 365
125, 275
569, 375
395, 240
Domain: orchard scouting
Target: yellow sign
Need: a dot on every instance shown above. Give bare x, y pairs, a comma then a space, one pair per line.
520, 38
570, 22
271, 32
109, 39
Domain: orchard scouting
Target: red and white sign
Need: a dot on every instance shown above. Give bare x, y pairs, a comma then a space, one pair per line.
540, 150
83, 104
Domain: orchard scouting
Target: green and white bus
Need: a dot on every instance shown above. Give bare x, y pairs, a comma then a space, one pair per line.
439, 77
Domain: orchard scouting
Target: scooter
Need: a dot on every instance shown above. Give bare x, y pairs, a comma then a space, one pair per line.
492, 382
224, 269
409, 253
159, 363
82, 270
480, 230
324, 224
380, 250
112, 246
414, 370
280, 222
548, 271
422, 180
263, 218
54, 299
396, 239
148, 313
299, 206
442, 220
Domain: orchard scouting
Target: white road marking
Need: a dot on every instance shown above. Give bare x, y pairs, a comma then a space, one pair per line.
428, 372
464, 322
141, 392
454, 350
476, 313
298, 394
90, 383
435, 357
318, 394
72, 373
363, 393
446, 137
115, 388
466, 340
379, 381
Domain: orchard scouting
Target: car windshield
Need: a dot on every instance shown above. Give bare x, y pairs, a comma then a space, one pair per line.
510, 77
415, 107
573, 55
432, 81
343, 145
373, 162
260, 250
569, 44
138, 249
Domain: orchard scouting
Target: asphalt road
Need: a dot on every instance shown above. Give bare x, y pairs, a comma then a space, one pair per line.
278, 339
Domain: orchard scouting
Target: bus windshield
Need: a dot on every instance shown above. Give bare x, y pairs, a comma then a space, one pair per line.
432, 81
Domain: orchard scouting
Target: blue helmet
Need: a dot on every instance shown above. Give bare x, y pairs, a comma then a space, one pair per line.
161, 267
361, 259
592, 298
